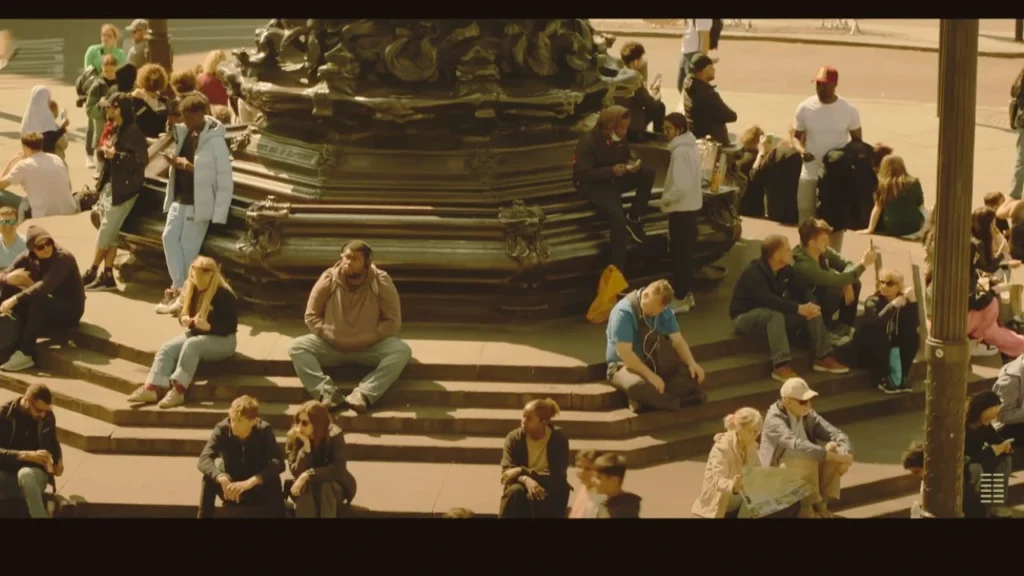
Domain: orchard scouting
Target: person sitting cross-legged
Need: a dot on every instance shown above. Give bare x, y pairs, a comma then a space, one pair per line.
317, 461
888, 339
354, 315
30, 454
534, 466
797, 437
242, 463
211, 324
769, 300
834, 280
648, 358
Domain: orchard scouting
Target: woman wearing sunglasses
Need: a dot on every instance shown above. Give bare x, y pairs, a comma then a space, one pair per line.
316, 459
888, 338
210, 317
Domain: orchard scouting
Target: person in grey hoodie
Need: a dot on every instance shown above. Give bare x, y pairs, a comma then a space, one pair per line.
797, 437
682, 198
199, 192
354, 315
1010, 388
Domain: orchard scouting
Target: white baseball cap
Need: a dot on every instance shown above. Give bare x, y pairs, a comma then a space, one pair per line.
797, 389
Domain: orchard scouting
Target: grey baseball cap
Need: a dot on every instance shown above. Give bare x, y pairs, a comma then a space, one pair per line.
138, 24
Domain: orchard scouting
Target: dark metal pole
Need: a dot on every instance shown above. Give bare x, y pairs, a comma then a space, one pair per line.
947, 351
1018, 30
160, 44
943, 56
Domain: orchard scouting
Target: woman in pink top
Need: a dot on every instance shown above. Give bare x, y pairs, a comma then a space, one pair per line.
208, 83
588, 502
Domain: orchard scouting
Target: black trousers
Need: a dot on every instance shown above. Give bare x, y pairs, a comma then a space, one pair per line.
655, 117
682, 238
39, 316
831, 300
607, 199
873, 350
680, 390
265, 500
515, 502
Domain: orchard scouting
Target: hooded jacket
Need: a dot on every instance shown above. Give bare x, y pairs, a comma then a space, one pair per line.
682, 189
706, 111
214, 185
596, 153
354, 319
126, 171
56, 276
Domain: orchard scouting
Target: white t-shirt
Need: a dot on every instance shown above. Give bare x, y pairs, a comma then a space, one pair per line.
9, 253
826, 127
691, 34
44, 177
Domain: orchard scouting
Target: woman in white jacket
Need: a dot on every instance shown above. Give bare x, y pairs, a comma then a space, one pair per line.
199, 190
682, 199
734, 450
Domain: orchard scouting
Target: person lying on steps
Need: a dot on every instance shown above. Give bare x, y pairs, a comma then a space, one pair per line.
211, 324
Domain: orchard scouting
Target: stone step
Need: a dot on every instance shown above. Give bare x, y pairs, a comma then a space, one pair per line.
900, 506
124, 376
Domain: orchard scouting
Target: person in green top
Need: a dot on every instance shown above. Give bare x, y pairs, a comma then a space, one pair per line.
109, 37
898, 201
834, 280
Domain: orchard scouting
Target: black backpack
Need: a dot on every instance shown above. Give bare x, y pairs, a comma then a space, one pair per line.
84, 83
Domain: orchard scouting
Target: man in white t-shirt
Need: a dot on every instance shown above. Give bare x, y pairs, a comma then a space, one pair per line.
696, 38
43, 176
824, 122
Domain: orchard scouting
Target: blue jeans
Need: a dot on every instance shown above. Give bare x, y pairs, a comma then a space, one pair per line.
310, 354
183, 239
1017, 182
178, 359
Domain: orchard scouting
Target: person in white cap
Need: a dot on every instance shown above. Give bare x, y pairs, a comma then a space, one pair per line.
138, 49
795, 436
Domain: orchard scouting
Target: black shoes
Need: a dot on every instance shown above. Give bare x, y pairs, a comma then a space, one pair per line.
636, 230
103, 282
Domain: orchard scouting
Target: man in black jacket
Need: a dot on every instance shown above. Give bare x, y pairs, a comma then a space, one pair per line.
645, 106
705, 109
768, 300
242, 463
29, 450
603, 170
43, 290
120, 182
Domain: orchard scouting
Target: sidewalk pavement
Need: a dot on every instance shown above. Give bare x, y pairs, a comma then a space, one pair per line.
808, 31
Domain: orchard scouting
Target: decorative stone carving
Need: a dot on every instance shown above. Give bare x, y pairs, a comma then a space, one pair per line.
523, 241
263, 229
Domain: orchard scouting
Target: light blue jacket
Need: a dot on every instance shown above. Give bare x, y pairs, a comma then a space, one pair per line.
214, 185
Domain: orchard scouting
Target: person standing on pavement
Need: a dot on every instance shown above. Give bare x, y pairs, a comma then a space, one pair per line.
1017, 123
208, 83
138, 51
119, 184
199, 191
707, 112
682, 198
696, 40
150, 102
107, 46
99, 89
824, 122
30, 454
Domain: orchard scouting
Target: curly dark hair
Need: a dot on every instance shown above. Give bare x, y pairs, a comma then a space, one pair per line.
152, 78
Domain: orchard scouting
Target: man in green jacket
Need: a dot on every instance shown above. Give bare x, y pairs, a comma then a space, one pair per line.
834, 280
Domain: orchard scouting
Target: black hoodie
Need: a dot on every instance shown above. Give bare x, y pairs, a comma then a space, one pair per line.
705, 110
596, 153
758, 287
56, 276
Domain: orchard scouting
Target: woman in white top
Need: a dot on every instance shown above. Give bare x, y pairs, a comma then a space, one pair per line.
734, 450
682, 198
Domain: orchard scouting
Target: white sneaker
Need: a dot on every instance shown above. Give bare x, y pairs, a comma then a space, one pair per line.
90, 163
679, 306
172, 307
979, 348
172, 399
17, 362
142, 395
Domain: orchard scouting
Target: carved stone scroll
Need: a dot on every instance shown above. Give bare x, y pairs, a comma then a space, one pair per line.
263, 229
523, 241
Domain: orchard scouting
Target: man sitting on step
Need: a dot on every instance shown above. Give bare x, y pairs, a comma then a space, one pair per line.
1009, 386
242, 463
834, 280
354, 315
769, 300
795, 436
648, 358
30, 454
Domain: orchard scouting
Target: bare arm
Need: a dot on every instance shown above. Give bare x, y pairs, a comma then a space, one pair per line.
857, 134
682, 348
876, 213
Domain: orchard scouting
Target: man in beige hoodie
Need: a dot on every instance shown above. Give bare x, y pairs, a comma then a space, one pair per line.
354, 315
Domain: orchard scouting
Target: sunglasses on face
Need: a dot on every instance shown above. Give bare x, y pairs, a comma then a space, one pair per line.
43, 245
304, 423
204, 270
802, 402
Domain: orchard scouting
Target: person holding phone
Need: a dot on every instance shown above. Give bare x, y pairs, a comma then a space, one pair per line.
30, 455
645, 105
986, 451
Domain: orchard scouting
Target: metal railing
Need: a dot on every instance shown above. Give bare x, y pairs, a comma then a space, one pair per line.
841, 24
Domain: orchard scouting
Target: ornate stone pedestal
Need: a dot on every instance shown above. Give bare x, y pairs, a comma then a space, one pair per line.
447, 145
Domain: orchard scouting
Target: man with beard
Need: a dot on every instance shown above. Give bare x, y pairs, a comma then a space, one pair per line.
29, 450
354, 315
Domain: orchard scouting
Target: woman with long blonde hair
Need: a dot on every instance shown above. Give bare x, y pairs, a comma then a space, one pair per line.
207, 81
898, 201
317, 460
734, 450
210, 316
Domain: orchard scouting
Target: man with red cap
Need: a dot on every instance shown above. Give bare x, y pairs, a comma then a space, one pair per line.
824, 122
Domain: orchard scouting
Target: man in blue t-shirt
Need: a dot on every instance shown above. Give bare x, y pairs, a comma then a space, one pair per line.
648, 358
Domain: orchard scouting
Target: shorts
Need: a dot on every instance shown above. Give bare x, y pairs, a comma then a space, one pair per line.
111, 217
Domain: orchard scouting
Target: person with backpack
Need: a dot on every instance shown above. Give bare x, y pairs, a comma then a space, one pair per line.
98, 89
1017, 123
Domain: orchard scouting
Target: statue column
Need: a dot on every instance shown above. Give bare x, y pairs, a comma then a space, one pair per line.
160, 44
947, 347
